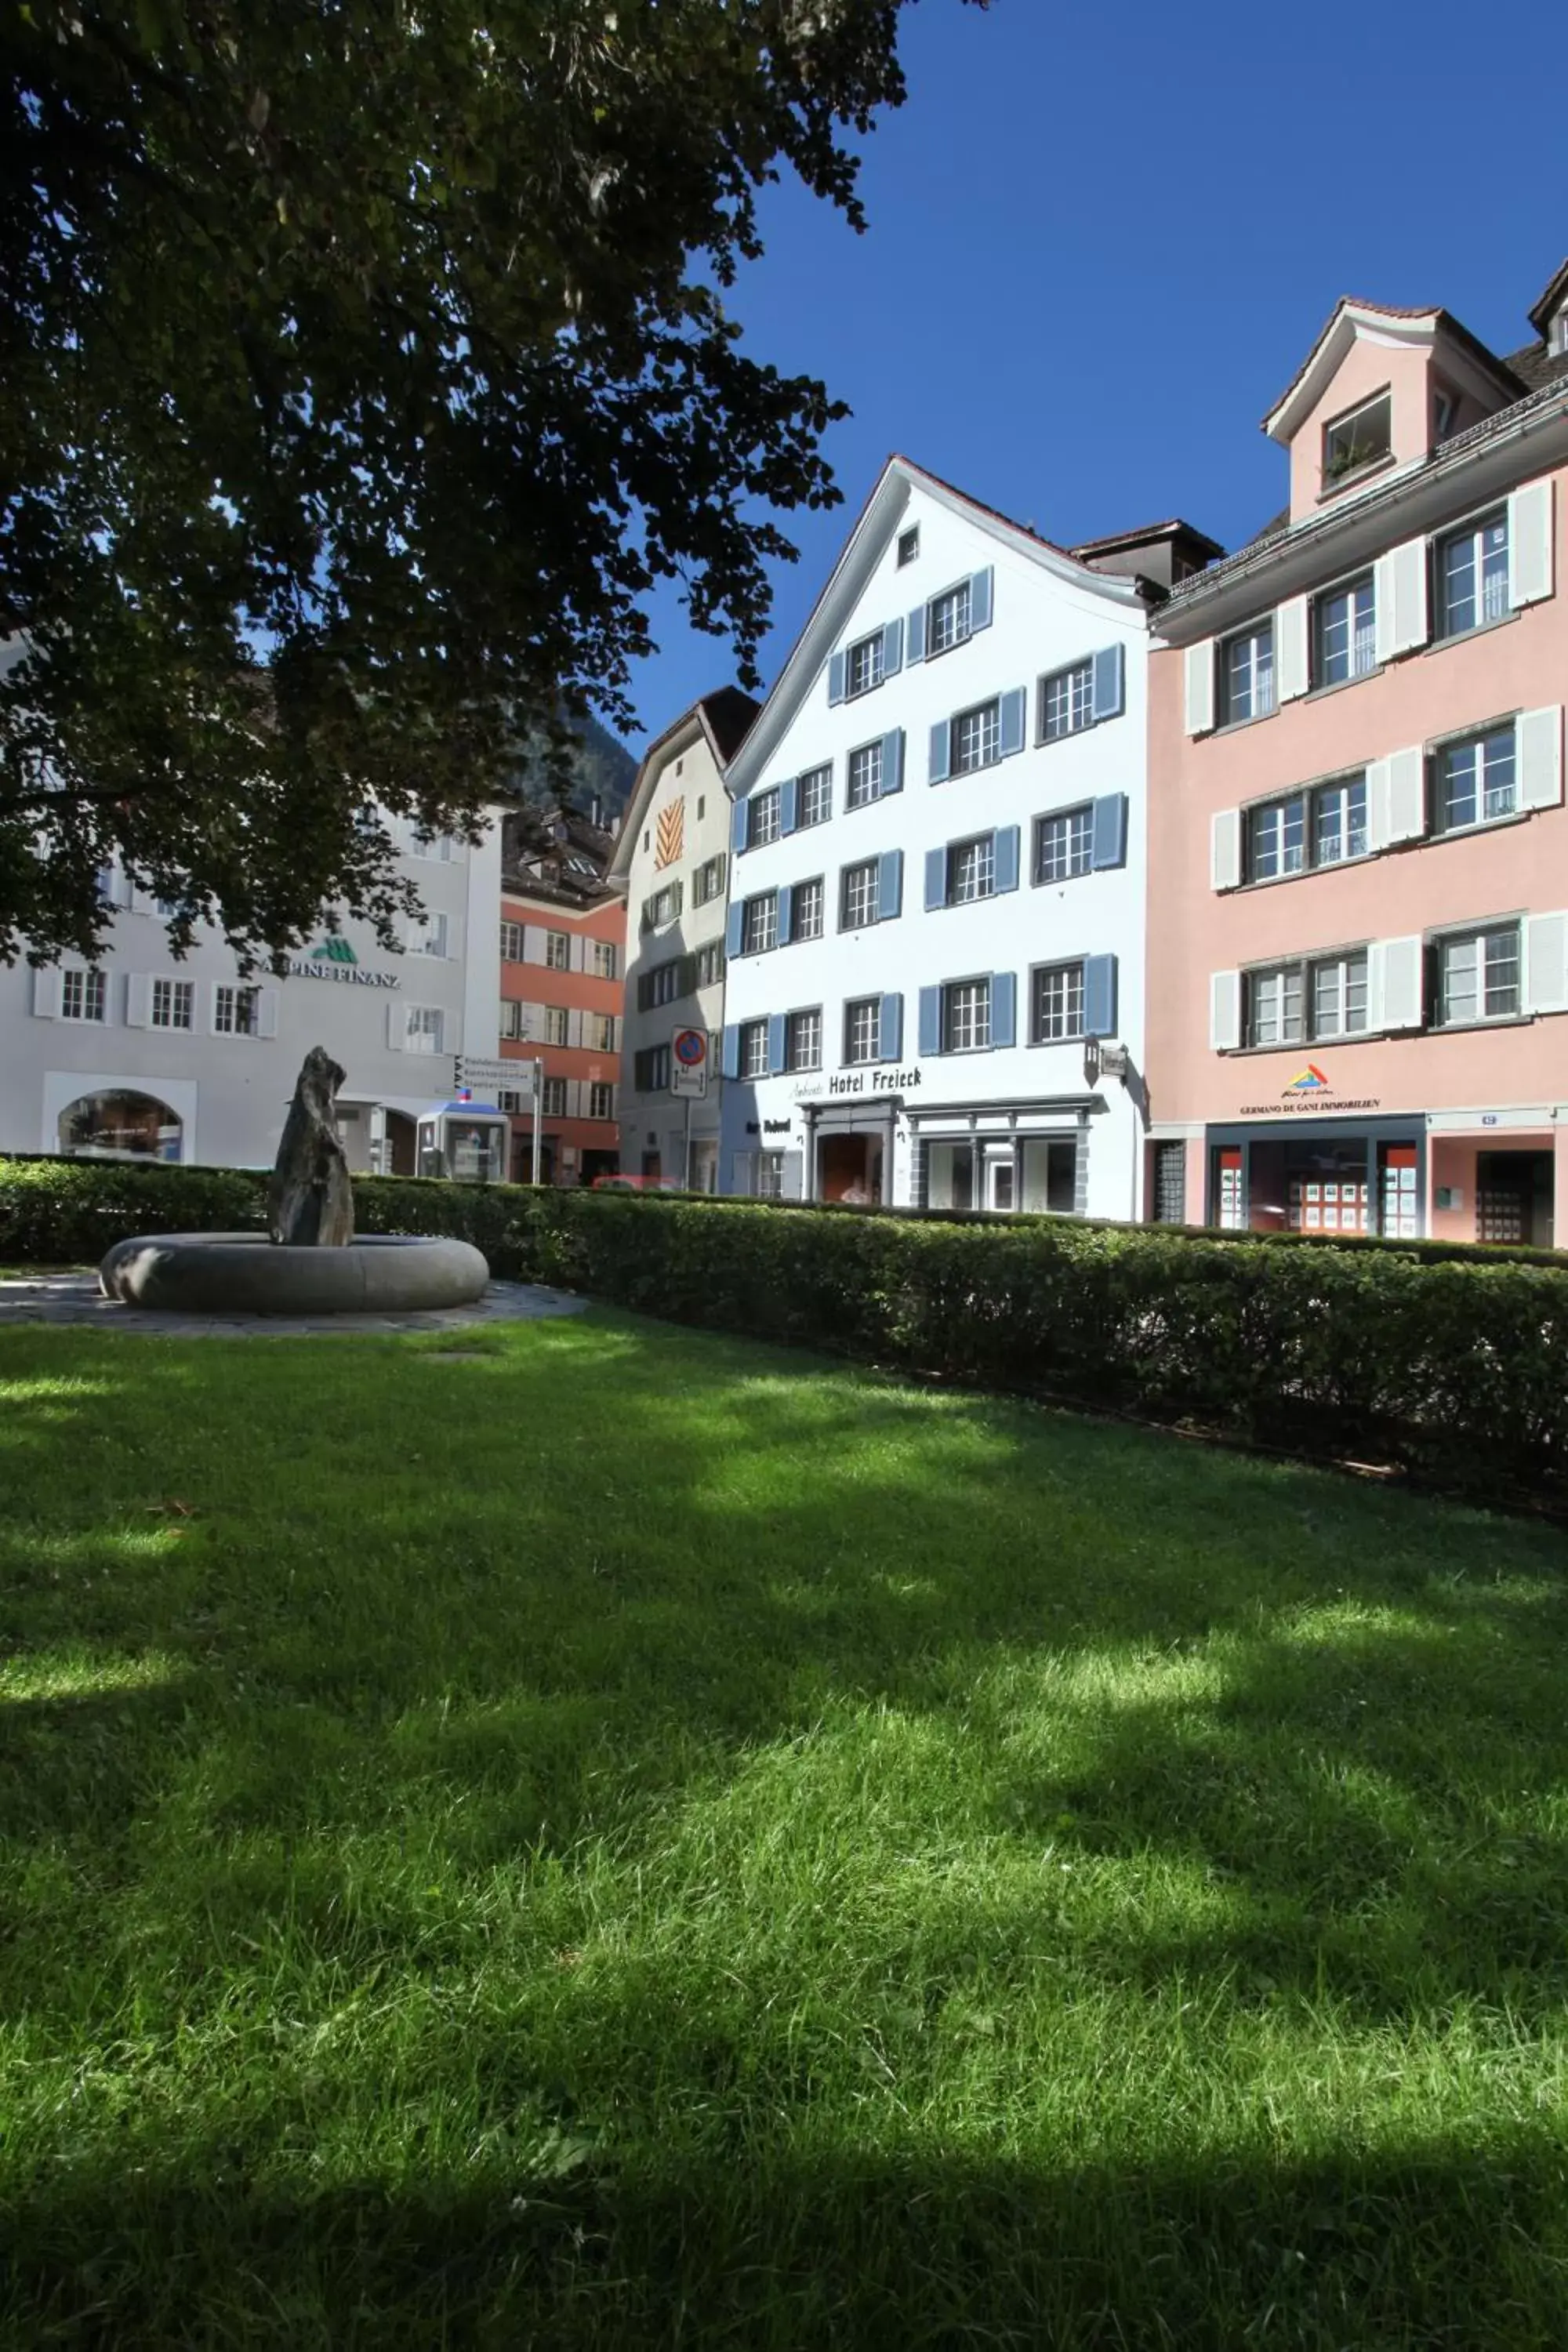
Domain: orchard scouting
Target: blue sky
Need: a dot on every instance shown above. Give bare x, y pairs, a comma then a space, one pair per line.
1102, 240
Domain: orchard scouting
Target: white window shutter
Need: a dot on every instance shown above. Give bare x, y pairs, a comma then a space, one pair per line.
47, 993
573, 1027
1538, 750
1225, 1010
1407, 819
532, 943
267, 1013
1377, 803
1529, 549
1546, 963
1200, 687
1292, 668
1393, 983
138, 1000
1399, 596
576, 952
1225, 848
396, 1027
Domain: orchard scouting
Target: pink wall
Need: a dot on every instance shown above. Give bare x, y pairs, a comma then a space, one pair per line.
1368, 368
1521, 867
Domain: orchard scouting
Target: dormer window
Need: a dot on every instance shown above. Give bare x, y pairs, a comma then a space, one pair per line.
1444, 408
1557, 341
1355, 441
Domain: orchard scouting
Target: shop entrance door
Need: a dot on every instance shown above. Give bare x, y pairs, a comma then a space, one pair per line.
1513, 1197
849, 1168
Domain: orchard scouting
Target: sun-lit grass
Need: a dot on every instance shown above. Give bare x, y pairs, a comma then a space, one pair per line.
610, 1837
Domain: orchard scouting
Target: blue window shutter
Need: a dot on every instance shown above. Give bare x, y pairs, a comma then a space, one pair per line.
1005, 858
941, 751
836, 669
890, 1036
890, 884
1099, 996
730, 1062
931, 1021
915, 636
739, 825
1109, 846
732, 922
789, 804
892, 764
1013, 709
775, 1044
892, 648
786, 911
1110, 682
1004, 1008
936, 879
980, 600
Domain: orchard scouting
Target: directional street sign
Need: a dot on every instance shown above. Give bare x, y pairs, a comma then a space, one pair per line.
688, 1064
486, 1076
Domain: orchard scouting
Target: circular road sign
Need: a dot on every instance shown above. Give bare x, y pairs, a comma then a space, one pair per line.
691, 1048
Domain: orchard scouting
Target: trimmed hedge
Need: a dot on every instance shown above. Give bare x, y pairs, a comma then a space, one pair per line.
1452, 1364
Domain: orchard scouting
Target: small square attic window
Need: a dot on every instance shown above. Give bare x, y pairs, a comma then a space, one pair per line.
909, 545
1358, 440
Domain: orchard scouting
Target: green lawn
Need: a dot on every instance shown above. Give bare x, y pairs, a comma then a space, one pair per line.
616, 1838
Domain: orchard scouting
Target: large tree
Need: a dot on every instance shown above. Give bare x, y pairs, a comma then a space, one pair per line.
364, 363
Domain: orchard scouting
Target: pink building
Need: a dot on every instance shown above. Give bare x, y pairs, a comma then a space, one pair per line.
1358, 847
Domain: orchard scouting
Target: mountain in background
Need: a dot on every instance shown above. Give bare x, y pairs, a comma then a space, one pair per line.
593, 767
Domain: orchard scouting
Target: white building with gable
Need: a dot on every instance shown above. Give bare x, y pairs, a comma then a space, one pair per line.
938, 871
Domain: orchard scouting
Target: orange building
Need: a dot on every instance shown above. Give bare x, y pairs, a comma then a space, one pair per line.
562, 989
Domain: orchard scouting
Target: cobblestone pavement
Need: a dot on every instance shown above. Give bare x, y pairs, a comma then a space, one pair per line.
74, 1298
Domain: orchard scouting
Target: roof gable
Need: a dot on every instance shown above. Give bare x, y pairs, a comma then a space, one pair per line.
723, 720
1356, 322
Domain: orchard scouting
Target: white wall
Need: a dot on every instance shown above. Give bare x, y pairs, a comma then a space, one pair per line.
1042, 622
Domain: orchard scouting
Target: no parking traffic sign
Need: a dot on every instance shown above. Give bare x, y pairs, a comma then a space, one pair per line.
688, 1063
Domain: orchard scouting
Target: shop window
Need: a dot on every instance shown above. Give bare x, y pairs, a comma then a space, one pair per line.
120, 1124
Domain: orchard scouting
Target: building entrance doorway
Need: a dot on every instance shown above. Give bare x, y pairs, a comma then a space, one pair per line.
400, 1143
849, 1168
1513, 1197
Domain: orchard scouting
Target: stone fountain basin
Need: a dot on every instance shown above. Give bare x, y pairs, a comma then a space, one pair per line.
247, 1273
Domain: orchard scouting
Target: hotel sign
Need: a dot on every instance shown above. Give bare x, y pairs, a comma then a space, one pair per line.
887, 1081
334, 959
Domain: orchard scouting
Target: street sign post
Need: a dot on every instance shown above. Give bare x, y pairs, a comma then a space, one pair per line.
688, 1082
483, 1077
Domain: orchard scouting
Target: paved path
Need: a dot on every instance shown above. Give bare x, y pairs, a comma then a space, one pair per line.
74, 1298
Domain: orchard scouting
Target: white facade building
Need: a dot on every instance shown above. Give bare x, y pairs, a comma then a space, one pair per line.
673, 860
938, 874
141, 1056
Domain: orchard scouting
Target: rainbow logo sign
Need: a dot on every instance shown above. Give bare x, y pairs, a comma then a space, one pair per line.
1309, 1081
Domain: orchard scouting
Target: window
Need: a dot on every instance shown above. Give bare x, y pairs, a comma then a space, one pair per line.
769, 1176
650, 1069
1276, 839
236, 1011
909, 545
607, 961
759, 924
511, 943
601, 1101
864, 668
965, 1016
1472, 575
1476, 781
865, 776
1246, 676
515, 1022
708, 964
803, 1041
947, 619
765, 820
428, 936
1478, 976
1345, 628
662, 907
1339, 821
1360, 439
1287, 1003
602, 1033
863, 1030
558, 951
1320, 827
659, 986
1170, 1183
436, 846
1066, 702
816, 796
174, 1003
1057, 1008
707, 882
422, 1028
971, 869
553, 1098
753, 1049
805, 920
557, 1027
84, 995
976, 738
1064, 844
860, 896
